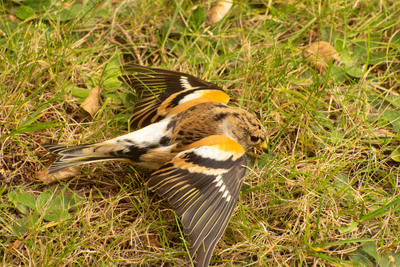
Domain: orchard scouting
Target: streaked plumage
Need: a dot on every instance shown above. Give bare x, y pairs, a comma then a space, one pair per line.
194, 141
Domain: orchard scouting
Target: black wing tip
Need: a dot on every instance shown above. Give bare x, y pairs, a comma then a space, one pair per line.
59, 165
55, 168
130, 67
52, 148
133, 67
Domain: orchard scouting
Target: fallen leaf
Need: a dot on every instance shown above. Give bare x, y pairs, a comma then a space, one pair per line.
320, 54
217, 11
92, 104
46, 178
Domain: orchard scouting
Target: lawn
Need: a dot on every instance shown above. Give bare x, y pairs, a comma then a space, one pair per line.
322, 76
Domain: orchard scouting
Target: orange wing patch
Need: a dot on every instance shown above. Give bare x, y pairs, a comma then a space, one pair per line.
162, 93
206, 96
203, 184
222, 146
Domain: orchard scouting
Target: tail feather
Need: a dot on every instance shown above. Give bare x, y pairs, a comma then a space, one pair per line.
64, 150
78, 155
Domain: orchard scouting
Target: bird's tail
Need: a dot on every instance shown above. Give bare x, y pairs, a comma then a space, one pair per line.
81, 154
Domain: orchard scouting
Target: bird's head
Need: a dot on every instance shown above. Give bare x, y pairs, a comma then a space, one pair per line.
245, 128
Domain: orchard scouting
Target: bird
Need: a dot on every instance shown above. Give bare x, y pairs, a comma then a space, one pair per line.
195, 143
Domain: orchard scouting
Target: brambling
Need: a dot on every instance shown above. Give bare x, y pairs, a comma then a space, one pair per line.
194, 141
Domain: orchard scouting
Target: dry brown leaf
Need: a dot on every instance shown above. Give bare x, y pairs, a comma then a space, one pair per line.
217, 11
92, 104
320, 54
46, 178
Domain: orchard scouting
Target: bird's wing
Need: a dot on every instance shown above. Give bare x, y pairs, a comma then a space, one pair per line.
203, 184
162, 93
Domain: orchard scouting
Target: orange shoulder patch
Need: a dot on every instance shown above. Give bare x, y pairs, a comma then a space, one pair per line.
195, 98
216, 96
220, 142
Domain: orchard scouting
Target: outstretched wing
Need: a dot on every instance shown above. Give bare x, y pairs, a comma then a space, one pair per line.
203, 184
162, 93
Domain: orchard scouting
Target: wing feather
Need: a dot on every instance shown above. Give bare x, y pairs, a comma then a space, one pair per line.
203, 191
161, 91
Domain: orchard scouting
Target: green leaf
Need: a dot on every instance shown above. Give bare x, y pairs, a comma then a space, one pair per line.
79, 9
175, 47
355, 71
363, 258
34, 116
72, 200
341, 181
393, 259
65, 14
338, 73
396, 39
393, 117
38, 5
265, 159
368, 255
396, 155
348, 228
55, 207
336, 137
22, 201
80, 93
245, 188
360, 51
342, 189
374, 40
172, 29
393, 99
25, 224
130, 100
328, 34
111, 73
370, 249
24, 12
344, 52
322, 119
56, 210
43, 200
60, 15
379, 57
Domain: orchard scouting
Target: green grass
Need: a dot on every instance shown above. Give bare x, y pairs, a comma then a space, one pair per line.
328, 184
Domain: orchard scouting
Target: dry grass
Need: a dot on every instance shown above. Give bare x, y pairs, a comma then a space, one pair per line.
329, 183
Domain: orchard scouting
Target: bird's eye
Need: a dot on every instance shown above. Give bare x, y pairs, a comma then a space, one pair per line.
254, 139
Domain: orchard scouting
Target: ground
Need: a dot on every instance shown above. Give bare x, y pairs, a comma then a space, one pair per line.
322, 76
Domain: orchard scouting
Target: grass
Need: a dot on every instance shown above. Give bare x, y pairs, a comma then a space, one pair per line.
327, 188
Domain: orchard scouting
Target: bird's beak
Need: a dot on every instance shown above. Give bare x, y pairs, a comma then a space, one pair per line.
263, 146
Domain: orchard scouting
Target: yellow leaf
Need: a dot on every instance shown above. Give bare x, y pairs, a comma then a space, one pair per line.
217, 11
46, 178
92, 104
